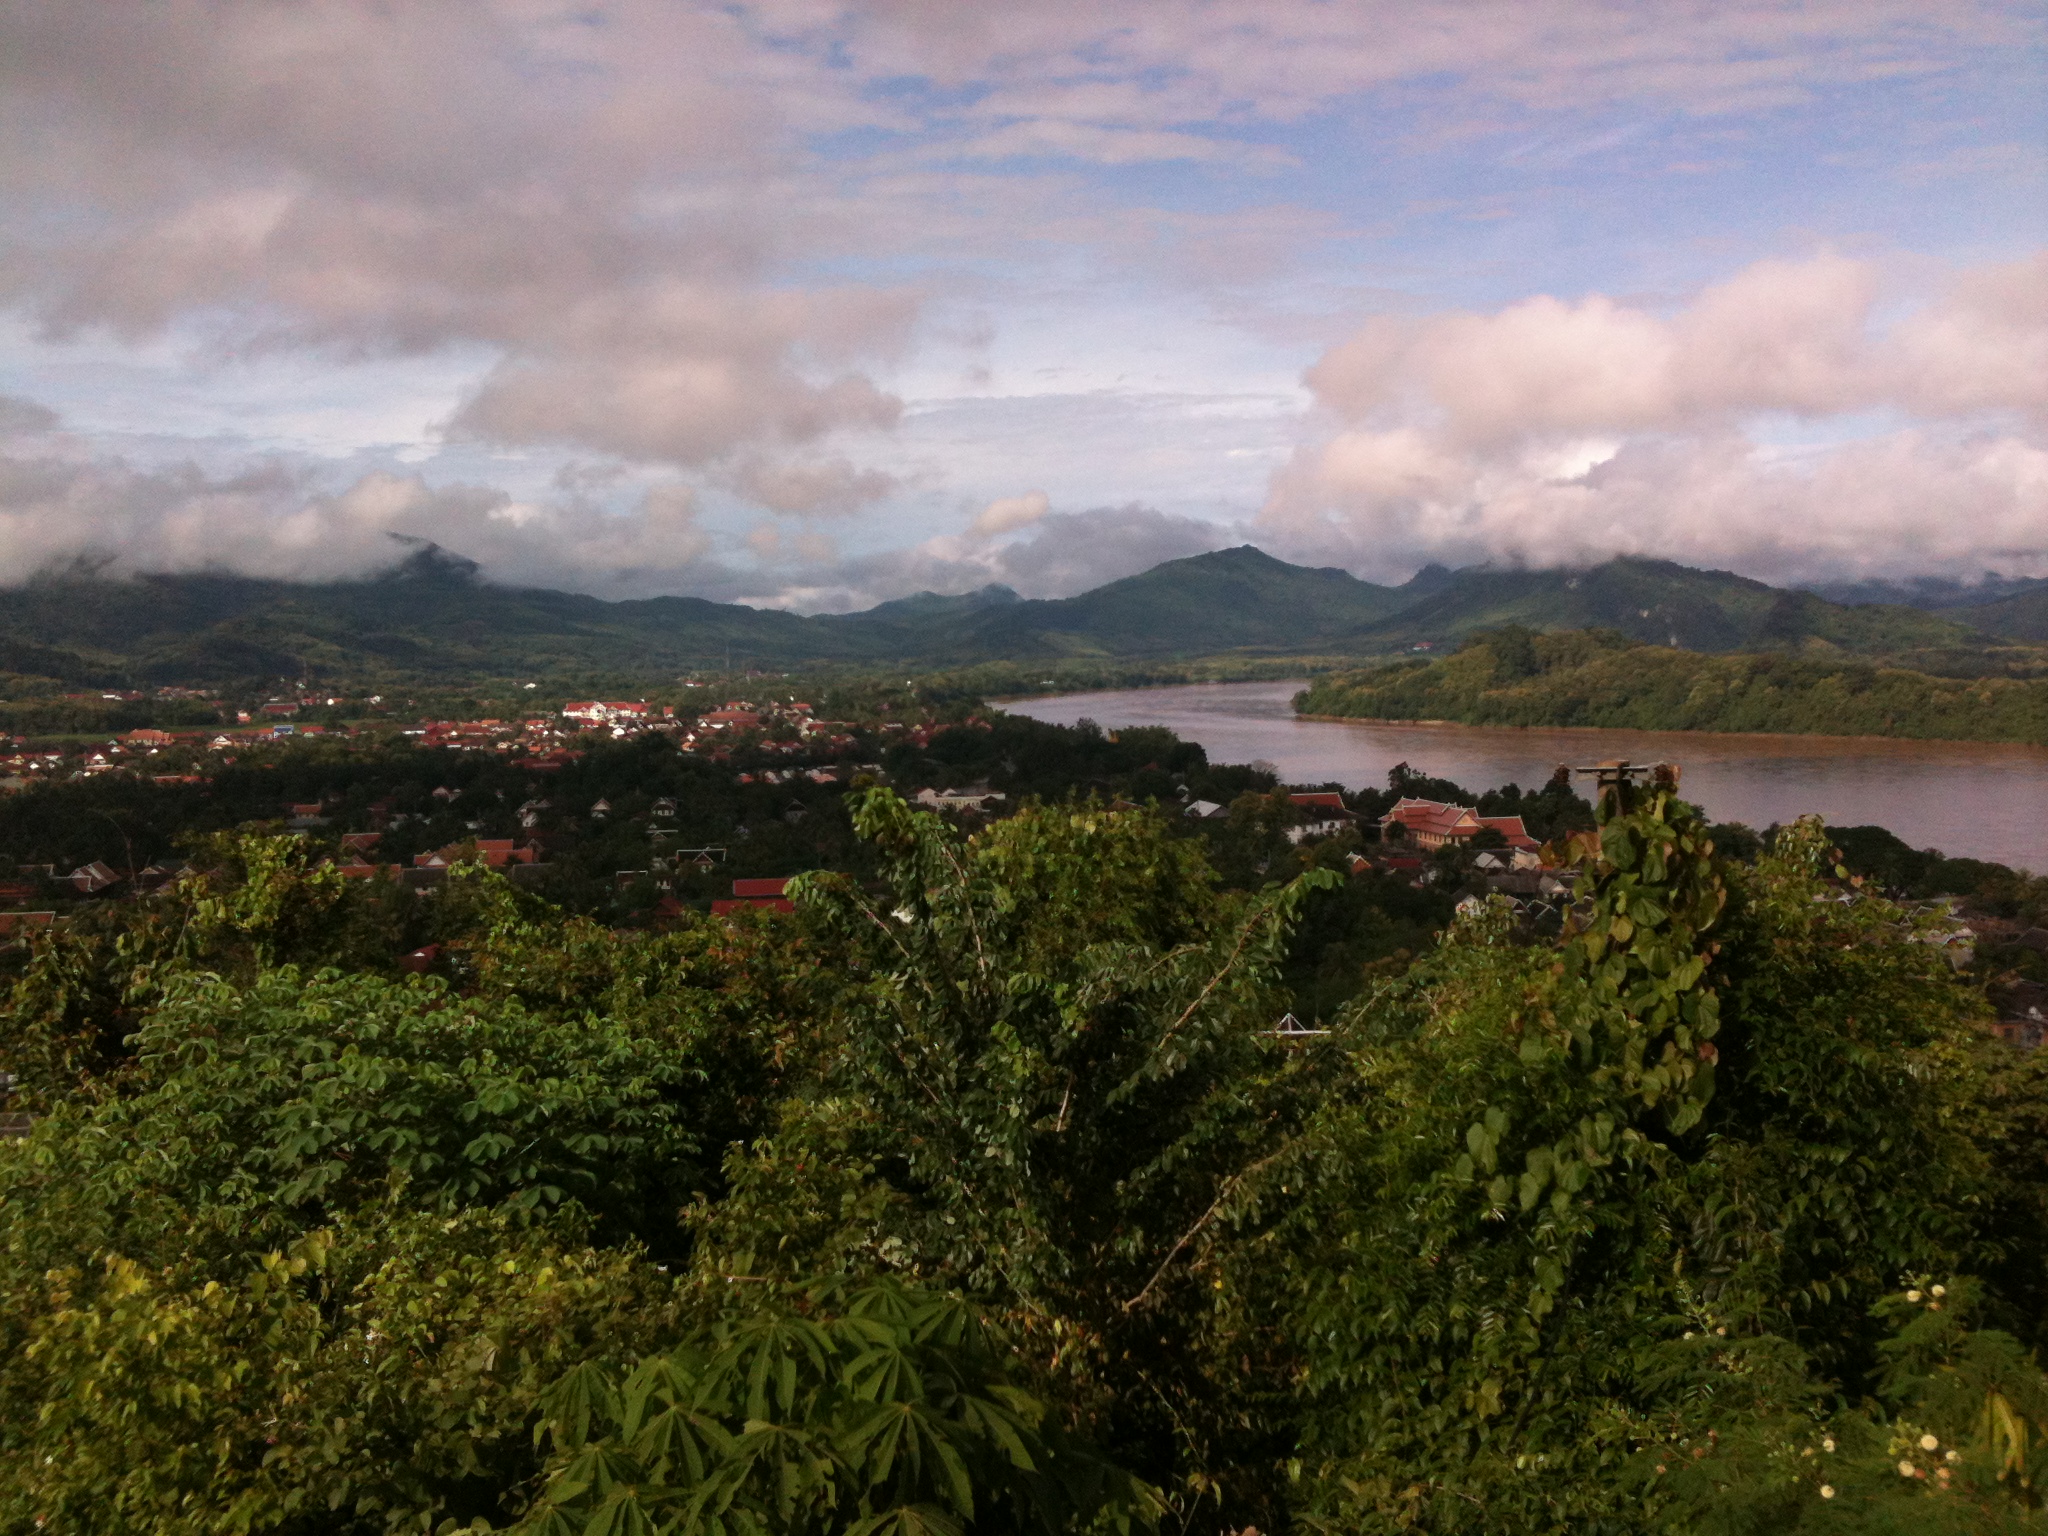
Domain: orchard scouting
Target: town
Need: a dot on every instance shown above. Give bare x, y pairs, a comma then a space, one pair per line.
703, 801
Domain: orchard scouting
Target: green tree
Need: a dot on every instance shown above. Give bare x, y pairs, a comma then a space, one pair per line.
380, 1375
1726, 1111
1053, 1063
874, 1410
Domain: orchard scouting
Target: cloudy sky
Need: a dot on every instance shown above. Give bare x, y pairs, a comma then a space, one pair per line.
814, 304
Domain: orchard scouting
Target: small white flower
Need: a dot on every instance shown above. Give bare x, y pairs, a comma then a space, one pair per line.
1912, 1295
1938, 1290
1905, 1469
1929, 1443
1723, 1332
1828, 1444
1955, 1456
1826, 1492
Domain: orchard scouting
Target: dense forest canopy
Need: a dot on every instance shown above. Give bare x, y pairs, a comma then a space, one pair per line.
1514, 676
989, 1191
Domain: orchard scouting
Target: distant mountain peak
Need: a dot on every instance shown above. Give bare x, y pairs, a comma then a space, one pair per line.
431, 565
1431, 578
928, 604
1241, 560
431, 615
1931, 592
1236, 555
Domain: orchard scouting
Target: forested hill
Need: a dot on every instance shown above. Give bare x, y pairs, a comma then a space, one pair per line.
1662, 603
1512, 676
2022, 616
431, 617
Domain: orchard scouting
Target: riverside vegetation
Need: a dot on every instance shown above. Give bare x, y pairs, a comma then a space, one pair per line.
982, 1194
1513, 676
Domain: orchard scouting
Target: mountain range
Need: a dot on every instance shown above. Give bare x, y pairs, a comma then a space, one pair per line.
431, 617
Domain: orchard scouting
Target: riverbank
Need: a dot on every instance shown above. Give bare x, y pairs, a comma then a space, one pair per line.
1978, 800
1605, 731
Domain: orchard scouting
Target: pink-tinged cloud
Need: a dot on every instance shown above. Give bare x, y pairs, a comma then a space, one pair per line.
685, 375
828, 487
1558, 432
1794, 336
1168, 62
1007, 514
578, 192
706, 235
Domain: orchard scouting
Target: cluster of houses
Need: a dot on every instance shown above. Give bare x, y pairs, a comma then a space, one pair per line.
96, 878
546, 742
537, 742
788, 726
357, 859
1411, 833
129, 753
1505, 856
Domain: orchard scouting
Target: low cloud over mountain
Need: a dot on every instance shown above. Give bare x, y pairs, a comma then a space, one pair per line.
808, 302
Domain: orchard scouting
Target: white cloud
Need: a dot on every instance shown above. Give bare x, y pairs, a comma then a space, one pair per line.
685, 375
710, 238
370, 180
1067, 552
271, 521
1552, 432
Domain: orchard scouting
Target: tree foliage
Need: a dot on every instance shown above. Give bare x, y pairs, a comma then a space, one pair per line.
868, 1409
1508, 676
989, 1191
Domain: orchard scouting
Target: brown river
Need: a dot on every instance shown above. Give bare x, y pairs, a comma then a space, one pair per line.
1970, 799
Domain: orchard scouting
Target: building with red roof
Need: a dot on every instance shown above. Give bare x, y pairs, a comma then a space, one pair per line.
496, 852
1433, 825
1318, 800
764, 893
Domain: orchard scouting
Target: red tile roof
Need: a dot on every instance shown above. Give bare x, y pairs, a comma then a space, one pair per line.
1512, 829
1433, 818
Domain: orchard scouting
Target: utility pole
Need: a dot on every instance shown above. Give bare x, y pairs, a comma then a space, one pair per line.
1618, 777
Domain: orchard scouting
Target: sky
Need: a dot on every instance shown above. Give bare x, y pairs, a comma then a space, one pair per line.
812, 305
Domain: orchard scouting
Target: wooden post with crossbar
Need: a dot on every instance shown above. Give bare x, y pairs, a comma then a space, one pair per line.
1618, 777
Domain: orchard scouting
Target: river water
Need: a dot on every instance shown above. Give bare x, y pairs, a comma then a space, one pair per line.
1979, 800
